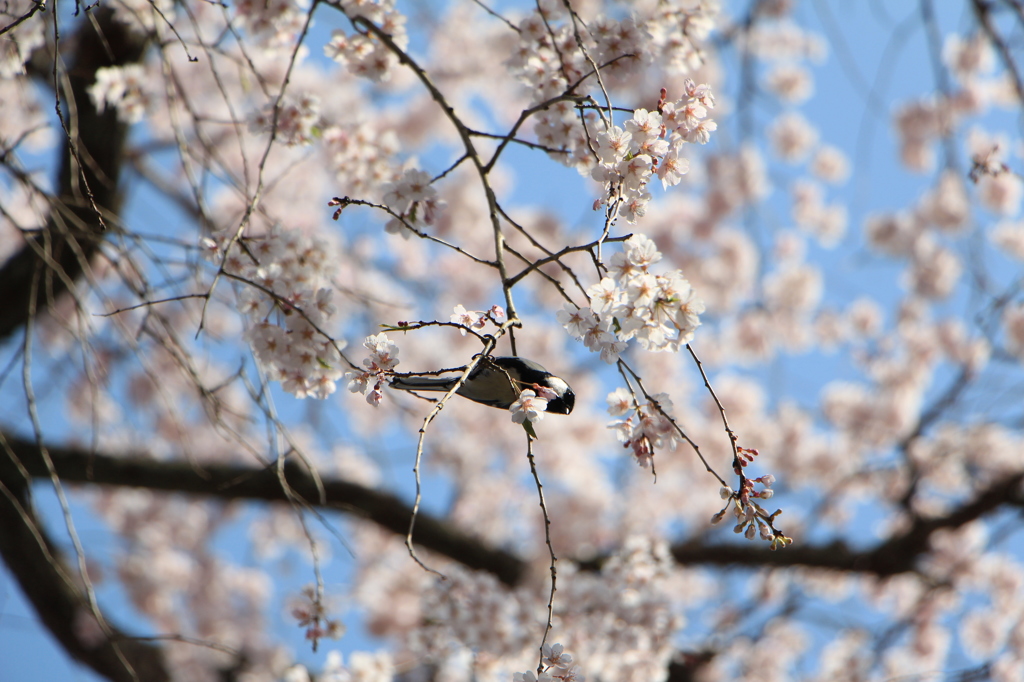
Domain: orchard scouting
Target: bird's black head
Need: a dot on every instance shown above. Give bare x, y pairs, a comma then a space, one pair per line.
562, 404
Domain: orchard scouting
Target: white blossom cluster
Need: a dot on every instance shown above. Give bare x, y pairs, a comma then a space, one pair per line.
362, 667
476, 319
646, 428
382, 361
652, 144
288, 306
623, 621
660, 311
922, 122
550, 62
361, 155
557, 666
298, 120
474, 610
783, 40
363, 53
825, 222
531, 405
618, 622
678, 29
167, 561
548, 59
274, 24
16, 46
123, 88
415, 199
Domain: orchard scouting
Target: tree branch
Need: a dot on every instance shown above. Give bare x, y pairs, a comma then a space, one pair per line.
235, 482
59, 600
896, 555
88, 195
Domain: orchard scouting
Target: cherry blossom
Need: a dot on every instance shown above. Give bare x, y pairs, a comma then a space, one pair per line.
529, 407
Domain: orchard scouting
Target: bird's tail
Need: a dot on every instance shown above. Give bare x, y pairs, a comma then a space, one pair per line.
423, 384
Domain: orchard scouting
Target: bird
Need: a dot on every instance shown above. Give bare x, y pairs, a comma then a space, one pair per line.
498, 381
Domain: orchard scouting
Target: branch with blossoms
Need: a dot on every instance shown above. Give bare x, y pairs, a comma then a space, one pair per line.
282, 278
412, 203
554, 664
378, 368
311, 612
288, 306
661, 312
750, 517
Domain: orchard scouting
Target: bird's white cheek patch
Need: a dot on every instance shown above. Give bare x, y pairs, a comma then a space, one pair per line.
557, 385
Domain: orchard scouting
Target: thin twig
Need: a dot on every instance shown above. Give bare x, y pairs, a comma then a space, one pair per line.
551, 548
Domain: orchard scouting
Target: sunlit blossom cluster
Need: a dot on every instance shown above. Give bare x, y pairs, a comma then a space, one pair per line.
16, 47
618, 622
531, 404
643, 428
414, 201
364, 53
548, 60
661, 312
735, 179
921, 122
934, 269
830, 164
378, 367
877, 414
968, 56
274, 23
947, 206
293, 121
122, 88
679, 30
826, 222
361, 155
167, 562
1013, 323
651, 144
784, 40
1008, 236
1001, 192
793, 137
791, 83
551, 63
362, 666
282, 292
476, 319
557, 665
144, 16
